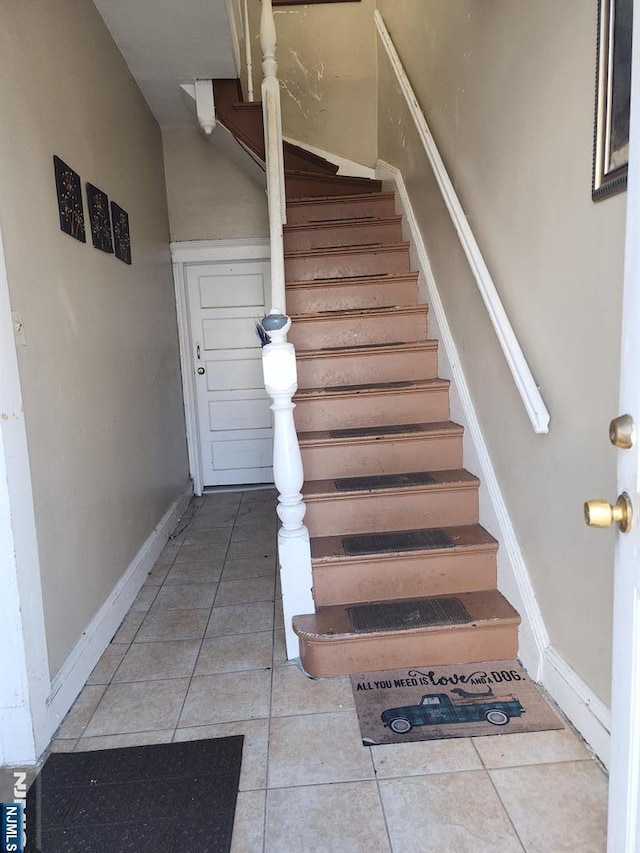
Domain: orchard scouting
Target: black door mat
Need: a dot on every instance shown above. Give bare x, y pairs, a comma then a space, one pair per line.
402, 540
494, 697
364, 432
402, 615
384, 481
142, 799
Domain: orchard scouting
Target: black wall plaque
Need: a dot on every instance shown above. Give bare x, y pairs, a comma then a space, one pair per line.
121, 236
99, 218
69, 200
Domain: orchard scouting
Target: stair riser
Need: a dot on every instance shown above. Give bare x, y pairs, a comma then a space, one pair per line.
305, 186
346, 297
325, 371
397, 510
335, 265
381, 456
396, 650
350, 582
359, 410
320, 237
379, 207
356, 330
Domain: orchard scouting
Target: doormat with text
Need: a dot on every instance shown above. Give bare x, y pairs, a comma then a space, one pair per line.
460, 700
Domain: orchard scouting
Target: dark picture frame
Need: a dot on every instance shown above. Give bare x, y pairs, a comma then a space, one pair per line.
121, 236
70, 207
99, 219
613, 98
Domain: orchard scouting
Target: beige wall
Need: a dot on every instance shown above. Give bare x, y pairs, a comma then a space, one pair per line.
327, 69
100, 372
508, 91
210, 198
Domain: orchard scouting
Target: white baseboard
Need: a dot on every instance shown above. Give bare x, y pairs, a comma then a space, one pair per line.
587, 712
72, 675
345, 167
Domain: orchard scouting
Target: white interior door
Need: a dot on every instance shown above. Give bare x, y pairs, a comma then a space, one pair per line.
624, 784
233, 416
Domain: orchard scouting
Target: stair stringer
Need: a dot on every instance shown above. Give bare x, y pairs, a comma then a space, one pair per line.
514, 581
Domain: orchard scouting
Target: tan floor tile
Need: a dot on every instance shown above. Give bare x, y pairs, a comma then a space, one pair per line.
129, 627
173, 625
79, 716
556, 807
240, 619
254, 748
158, 573
249, 567
245, 591
447, 813
89, 744
294, 693
227, 697
531, 748
260, 548
262, 527
138, 707
279, 615
315, 749
145, 598
222, 497
207, 537
105, 669
340, 818
194, 573
422, 757
63, 745
185, 596
209, 518
201, 552
280, 650
235, 653
248, 823
152, 661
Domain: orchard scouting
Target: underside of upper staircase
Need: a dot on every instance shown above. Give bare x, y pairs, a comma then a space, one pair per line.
403, 573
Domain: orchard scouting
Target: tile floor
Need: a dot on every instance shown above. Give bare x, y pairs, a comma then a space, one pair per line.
201, 654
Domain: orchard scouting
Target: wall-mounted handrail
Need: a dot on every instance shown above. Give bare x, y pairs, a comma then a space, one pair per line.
522, 376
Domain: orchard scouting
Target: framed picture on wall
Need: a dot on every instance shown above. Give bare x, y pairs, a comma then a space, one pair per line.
613, 98
121, 235
70, 208
99, 219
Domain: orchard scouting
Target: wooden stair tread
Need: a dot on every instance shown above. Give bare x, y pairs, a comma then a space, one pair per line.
329, 199
348, 250
466, 537
442, 480
373, 388
392, 310
331, 624
389, 432
364, 349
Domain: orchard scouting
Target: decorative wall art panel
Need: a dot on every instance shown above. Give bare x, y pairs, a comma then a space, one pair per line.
69, 200
99, 219
121, 235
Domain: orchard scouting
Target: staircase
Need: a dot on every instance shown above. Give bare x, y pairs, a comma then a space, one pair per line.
403, 574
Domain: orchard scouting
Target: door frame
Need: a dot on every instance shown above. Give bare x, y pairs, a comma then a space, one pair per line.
193, 252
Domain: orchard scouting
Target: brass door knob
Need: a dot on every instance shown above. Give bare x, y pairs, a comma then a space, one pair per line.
602, 514
622, 432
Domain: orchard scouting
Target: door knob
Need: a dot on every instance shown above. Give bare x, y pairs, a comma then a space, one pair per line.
200, 371
622, 432
602, 514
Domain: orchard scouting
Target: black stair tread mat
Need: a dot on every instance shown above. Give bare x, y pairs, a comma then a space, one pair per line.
384, 481
403, 615
389, 429
393, 541
369, 346
178, 796
373, 385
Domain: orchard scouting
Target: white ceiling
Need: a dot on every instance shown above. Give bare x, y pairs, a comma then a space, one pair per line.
169, 42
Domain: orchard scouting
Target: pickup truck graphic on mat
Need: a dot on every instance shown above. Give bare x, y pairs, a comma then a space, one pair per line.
437, 708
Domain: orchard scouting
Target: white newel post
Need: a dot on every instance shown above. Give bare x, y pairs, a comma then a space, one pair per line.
294, 552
